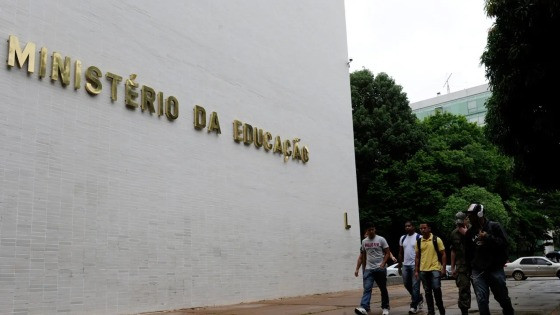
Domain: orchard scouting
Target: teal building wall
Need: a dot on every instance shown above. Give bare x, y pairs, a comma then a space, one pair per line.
470, 103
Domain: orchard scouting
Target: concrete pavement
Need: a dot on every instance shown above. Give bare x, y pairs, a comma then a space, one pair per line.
533, 296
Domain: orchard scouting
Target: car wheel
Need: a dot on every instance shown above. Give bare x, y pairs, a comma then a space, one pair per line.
558, 273
518, 275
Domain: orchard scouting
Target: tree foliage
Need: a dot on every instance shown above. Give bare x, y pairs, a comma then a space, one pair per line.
430, 170
385, 131
456, 155
494, 210
522, 66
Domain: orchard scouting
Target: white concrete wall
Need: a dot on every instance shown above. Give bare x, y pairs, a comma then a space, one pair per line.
107, 210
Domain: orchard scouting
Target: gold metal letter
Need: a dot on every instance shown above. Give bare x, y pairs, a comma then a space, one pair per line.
129, 94
297, 153
77, 74
14, 52
115, 79
199, 117
286, 150
214, 123
247, 134
93, 85
160, 103
42, 62
266, 141
277, 145
148, 98
258, 137
236, 131
172, 108
305, 154
58, 67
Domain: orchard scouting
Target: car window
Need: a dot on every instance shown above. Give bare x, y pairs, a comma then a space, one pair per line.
527, 261
541, 261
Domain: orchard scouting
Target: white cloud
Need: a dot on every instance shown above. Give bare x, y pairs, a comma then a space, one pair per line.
419, 43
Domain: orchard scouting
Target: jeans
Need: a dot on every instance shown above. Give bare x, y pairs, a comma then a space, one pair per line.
411, 284
378, 276
483, 282
431, 281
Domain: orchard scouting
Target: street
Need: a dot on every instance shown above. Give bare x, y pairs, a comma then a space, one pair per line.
533, 296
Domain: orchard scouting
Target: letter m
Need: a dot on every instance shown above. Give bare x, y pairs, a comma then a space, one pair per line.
14, 52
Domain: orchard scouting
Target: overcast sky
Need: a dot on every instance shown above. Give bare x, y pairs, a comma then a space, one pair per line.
419, 43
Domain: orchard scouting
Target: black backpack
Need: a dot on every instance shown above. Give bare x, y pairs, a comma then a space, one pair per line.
436, 247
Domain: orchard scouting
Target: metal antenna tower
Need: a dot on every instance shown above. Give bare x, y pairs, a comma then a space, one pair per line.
447, 82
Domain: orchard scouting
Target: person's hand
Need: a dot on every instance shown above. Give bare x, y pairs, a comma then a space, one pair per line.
394, 260
416, 274
443, 271
382, 265
454, 273
356, 272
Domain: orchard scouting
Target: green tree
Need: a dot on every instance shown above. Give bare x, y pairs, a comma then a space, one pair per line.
494, 209
522, 66
385, 132
456, 155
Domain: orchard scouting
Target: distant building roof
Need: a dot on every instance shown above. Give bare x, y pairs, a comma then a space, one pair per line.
449, 97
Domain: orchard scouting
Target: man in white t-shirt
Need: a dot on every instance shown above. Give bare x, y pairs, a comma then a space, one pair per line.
375, 253
407, 255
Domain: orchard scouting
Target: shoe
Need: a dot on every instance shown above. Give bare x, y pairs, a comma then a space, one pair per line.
413, 310
360, 311
420, 304
385, 311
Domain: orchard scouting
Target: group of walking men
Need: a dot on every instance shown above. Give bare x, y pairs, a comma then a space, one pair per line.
478, 253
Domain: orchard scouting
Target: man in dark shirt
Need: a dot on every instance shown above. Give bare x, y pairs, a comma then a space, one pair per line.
486, 245
459, 267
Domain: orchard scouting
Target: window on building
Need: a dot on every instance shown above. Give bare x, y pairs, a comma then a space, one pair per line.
471, 107
481, 120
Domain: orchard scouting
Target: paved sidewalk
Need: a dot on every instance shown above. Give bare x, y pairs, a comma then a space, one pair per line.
533, 296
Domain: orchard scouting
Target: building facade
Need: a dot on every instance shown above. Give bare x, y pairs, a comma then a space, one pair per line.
469, 103
158, 156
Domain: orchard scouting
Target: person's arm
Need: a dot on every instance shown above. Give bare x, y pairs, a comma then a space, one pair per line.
385, 257
495, 236
453, 271
443, 262
360, 263
401, 256
417, 264
393, 259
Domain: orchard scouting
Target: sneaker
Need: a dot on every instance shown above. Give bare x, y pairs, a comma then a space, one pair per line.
385, 311
360, 311
420, 304
413, 310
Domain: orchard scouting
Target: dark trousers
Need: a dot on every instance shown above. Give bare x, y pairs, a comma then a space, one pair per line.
483, 282
463, 282
431, 281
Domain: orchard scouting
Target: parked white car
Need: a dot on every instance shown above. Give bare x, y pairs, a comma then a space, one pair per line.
533, 266
393, 271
